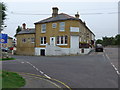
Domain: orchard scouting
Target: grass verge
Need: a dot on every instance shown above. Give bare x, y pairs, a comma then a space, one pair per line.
4, 59
11, 80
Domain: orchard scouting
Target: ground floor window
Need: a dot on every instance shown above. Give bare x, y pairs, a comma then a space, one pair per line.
62, 40
32, 40
43, 40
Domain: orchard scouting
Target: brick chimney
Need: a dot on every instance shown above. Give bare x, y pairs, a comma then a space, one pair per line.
23, 26
84, 23
55, 11
77, 15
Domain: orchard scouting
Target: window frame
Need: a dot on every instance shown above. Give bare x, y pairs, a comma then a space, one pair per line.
24, 40
43, 39
60, 40
43, 28
62, 27
54, 24
32, 40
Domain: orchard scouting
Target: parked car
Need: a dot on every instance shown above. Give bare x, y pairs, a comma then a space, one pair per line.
99, 48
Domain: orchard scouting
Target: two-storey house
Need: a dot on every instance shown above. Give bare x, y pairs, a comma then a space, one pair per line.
26, 41
61, 34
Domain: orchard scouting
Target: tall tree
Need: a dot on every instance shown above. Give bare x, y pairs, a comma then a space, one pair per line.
18, 29
117, 39
2, 15
99, 41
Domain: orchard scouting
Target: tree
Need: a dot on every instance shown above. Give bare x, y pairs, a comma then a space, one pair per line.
108, 41
117, 39
2, 15
105, 41
99, 41
18, 29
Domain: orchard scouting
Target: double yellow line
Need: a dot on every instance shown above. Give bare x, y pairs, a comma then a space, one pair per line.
47, 78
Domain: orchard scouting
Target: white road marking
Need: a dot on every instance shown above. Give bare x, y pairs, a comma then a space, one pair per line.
112, 64
47, 76
39, 70
115, 68
22, 62
34, 67
118, 73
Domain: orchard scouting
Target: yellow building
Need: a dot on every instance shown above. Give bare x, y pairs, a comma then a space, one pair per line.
61, 34
26, 41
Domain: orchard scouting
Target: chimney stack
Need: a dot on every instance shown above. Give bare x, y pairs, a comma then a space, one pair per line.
84, 23
77, 15
24, 26
55, 11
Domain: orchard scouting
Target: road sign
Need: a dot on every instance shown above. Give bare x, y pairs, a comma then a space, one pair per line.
3, 38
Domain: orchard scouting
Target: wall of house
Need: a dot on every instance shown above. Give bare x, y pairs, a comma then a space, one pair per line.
54, 32
25, 48
86, 34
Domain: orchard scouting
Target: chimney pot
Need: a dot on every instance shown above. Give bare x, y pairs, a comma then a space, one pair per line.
24, 26
77, 15
55, 11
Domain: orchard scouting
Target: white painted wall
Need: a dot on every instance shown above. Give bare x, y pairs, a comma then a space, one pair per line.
74, 42
57, 51
52, 50
86, 50
74, 45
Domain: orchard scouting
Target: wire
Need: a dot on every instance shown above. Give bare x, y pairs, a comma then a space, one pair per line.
16, 13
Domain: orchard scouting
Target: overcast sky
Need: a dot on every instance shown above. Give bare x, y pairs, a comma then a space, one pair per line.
100, 17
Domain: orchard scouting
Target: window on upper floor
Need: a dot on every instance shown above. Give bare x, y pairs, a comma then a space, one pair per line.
54, 25
62, 40
62, 26
43, 41
43, 28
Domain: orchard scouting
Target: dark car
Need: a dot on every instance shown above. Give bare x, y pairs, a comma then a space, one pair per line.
99, 48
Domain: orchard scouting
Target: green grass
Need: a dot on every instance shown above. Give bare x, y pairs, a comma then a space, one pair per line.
11, 80
4, 59
0, 79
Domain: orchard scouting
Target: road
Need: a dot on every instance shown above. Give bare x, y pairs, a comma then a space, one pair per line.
112, 54
86, 71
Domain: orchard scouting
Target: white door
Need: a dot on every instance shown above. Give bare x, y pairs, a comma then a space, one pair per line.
52, 41
74, 42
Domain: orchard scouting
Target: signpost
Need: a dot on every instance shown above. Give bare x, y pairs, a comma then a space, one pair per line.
3, 39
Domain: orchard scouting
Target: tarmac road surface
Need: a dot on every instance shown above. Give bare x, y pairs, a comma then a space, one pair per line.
86, 71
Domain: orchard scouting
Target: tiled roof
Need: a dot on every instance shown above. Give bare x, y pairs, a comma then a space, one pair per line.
27, 31
61, 16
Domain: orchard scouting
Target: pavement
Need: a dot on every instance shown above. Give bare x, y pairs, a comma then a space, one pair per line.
86, 71
33, 81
